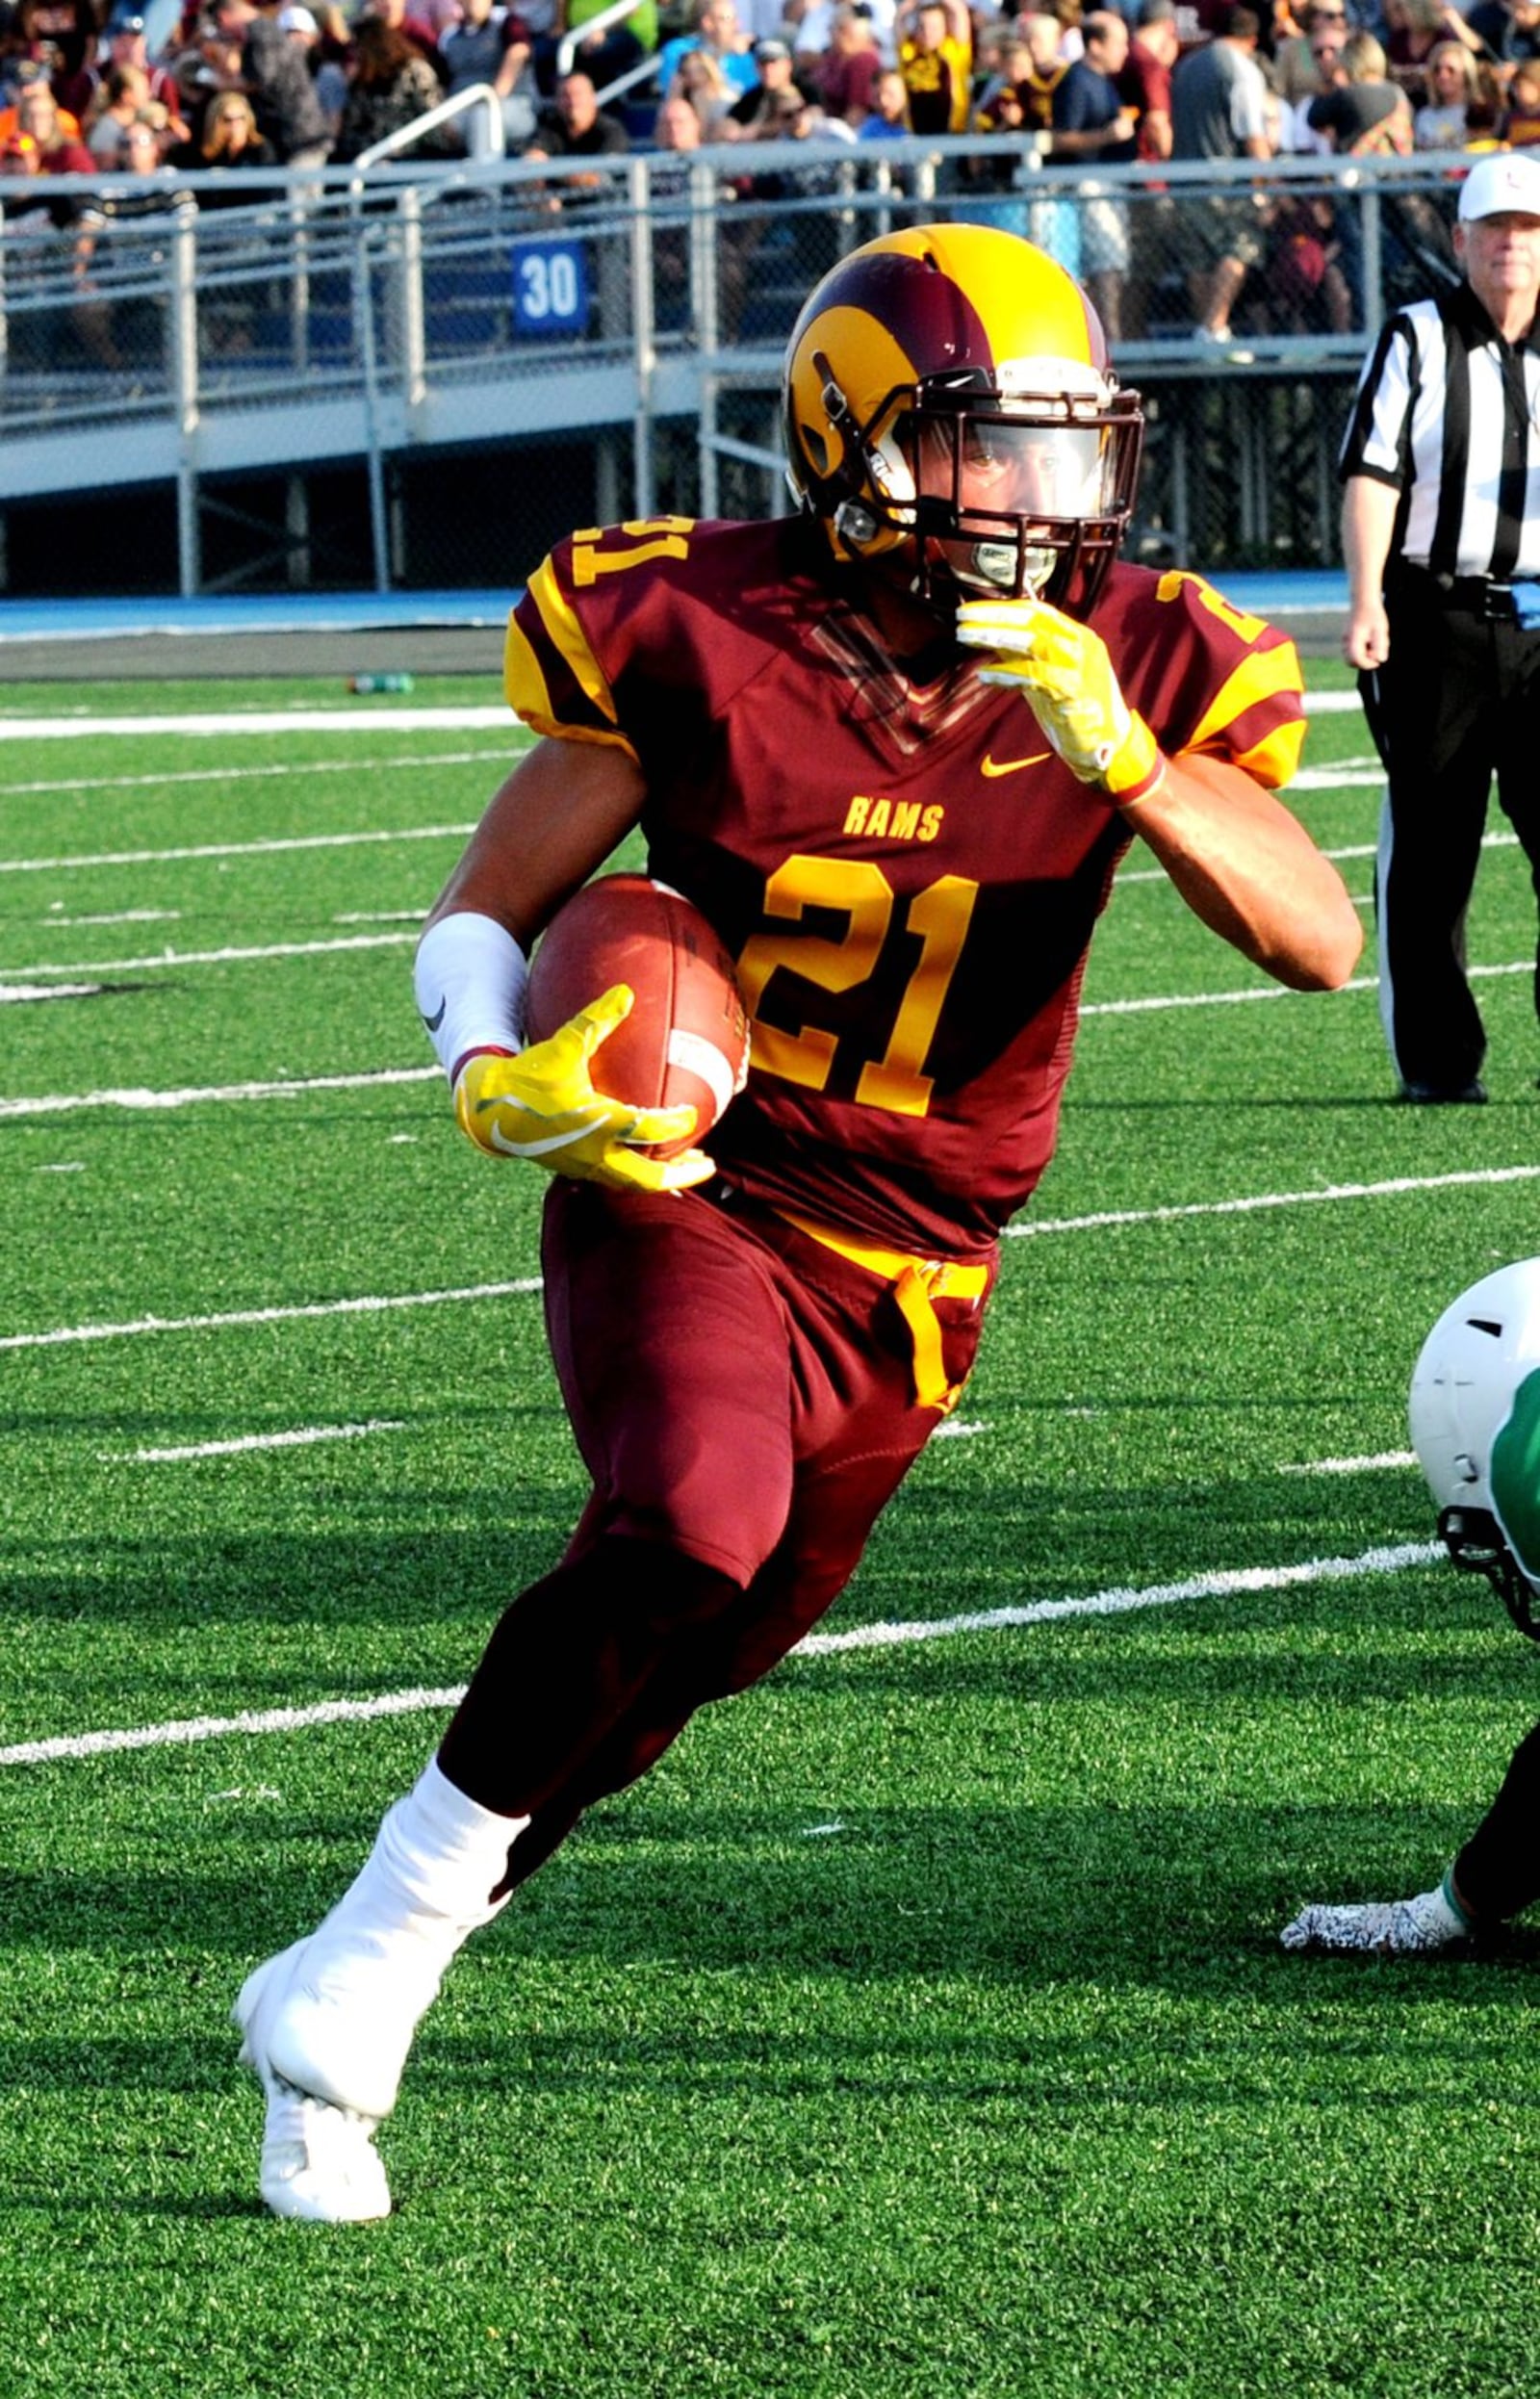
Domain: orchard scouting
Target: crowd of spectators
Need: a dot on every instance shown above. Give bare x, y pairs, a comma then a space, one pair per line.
1059, 89
1080, 84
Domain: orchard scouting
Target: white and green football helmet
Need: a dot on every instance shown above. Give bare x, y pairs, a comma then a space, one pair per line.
1474, 1416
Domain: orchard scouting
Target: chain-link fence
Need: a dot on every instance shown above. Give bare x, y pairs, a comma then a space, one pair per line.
483, 355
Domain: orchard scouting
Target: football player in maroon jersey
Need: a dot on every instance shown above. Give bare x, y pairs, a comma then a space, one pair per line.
893, 747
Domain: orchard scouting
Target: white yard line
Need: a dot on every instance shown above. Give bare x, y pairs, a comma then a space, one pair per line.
132, 1095
1261, 991
1355, 1465
163, 958
258, 774
302, 1438
59, 923
373, 1303
1120, 1600
231, 849
227, 726
214, 1727
15, 995
1393, 1187
223, 726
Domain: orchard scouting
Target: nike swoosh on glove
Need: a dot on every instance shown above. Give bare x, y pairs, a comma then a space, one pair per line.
541, 1104
1063, 670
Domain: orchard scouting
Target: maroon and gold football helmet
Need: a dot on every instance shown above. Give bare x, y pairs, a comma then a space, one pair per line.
952, 418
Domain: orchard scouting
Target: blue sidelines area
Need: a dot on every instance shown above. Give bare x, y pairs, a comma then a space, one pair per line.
1280, 595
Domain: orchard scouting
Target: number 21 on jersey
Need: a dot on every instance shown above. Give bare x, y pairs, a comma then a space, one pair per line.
937, 916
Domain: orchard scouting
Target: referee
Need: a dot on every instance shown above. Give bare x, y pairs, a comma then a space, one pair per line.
1441, 532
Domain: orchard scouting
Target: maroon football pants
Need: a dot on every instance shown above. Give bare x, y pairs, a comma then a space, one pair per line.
744, 1401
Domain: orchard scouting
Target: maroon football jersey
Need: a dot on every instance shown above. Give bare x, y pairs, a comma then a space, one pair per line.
907, 876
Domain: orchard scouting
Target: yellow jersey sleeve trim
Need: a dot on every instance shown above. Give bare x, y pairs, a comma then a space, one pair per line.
1276, 759
526, 693
561, 624
524, 685
553, 730
1261, 674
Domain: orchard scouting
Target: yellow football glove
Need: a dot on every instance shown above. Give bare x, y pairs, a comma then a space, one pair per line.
1062, 669
541, 1104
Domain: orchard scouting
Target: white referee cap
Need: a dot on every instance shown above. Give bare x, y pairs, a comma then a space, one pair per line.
1504, 181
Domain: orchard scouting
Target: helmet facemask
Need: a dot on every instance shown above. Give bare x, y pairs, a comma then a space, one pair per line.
1018, 484
1476, 1543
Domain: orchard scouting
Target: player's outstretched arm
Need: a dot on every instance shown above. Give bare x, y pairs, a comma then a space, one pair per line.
1248, 868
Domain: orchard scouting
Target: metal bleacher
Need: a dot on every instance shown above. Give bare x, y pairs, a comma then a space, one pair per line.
492, 301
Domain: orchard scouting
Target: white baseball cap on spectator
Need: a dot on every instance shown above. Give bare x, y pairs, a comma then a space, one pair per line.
296, 20
1505, 182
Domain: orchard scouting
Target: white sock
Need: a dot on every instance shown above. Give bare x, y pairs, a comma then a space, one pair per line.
349, 1999
429, 1879
447, 1851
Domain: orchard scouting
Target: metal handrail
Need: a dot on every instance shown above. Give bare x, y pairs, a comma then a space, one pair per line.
643, 72
459, 104
567, 47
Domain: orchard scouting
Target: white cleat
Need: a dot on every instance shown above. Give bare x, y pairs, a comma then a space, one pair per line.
319, 2159
326, 2024
319, 2162
1379, 1927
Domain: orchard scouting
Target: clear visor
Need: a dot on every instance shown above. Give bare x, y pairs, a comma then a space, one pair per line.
1000, 467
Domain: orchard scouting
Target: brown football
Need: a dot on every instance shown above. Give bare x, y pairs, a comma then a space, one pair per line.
686, 1040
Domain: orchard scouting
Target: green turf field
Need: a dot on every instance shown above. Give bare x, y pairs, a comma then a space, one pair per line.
918, 2029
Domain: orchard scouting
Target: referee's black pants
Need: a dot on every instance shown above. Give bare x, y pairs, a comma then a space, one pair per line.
1457, 702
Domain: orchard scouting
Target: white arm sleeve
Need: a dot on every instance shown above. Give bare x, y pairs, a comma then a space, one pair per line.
469, 979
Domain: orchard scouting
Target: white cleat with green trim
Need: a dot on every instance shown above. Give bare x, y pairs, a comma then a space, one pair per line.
1380, 1927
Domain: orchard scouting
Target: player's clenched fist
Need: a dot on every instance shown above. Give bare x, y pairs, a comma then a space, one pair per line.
1062, 669
542, 1105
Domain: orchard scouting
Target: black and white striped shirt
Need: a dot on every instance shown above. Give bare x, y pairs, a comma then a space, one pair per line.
1449, 413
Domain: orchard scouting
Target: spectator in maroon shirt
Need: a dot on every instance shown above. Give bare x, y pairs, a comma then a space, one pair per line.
1145, 80
848, 71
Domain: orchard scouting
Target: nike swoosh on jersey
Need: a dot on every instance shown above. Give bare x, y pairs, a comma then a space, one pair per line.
1013, 766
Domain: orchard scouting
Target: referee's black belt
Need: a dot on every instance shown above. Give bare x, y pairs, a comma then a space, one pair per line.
1516, 602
